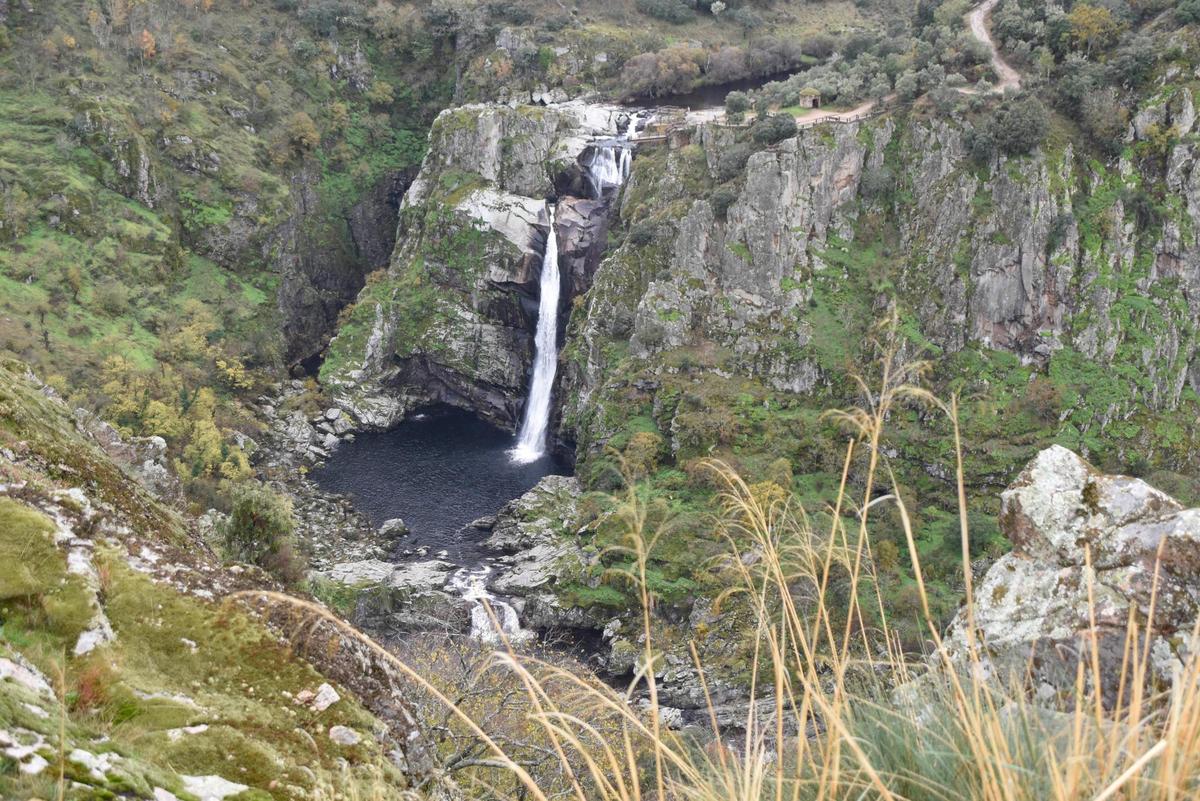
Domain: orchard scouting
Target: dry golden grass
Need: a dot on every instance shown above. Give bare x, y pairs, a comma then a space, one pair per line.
951, 736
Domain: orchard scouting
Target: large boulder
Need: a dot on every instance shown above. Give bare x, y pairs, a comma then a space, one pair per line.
1090, 551
537, 537
394, 598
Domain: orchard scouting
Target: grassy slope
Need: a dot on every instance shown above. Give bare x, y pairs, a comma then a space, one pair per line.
96, 261
177, 661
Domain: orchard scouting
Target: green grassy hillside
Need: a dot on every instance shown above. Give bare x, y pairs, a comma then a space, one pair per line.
124, 671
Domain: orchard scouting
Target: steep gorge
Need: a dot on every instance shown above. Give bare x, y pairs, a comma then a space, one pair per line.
1038, 257
738, 291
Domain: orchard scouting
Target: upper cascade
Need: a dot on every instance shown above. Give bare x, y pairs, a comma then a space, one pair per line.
610, 165
531, 444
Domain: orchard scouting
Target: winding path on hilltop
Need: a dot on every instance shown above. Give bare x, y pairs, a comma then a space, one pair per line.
977, 21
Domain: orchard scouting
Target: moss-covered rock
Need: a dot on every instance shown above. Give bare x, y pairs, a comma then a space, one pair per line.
451, 320
121, 660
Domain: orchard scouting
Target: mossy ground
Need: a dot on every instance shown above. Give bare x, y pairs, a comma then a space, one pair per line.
177, 660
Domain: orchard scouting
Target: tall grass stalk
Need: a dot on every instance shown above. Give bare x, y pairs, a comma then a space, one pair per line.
837, 729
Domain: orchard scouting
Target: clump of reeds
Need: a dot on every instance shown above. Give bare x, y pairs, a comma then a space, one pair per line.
950, 735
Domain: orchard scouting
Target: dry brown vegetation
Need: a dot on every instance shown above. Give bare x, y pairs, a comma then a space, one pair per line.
837, 709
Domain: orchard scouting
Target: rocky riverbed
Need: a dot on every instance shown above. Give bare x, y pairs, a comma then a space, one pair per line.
329, 527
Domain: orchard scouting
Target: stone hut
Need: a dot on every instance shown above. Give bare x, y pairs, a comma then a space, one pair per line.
810, 98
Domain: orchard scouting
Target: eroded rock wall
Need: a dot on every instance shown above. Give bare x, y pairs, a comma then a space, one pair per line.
1054, 257
324, 261
452, 320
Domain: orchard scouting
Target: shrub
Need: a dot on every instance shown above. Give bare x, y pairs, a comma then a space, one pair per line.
111, 298
1188, 11
907, 86
1105, 119
259, 531
728, 64
737, 104
732, 162
723, 197
302, 132
1018, 126
774, 129
663, 72
1043, 399
1094, 26
643, 452
674, 11
820, 46
745, 18
877, 182
380, 93
642, 233
327, 16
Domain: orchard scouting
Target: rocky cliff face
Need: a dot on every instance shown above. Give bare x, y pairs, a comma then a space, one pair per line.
324, 262
452, 320
1038, 255
775, 275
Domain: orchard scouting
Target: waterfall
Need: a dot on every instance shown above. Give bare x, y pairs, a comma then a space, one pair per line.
610, 166
531, 443
472, 586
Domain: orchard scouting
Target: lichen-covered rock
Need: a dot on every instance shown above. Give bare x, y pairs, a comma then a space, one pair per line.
398, 597
538, 538
537, 535
117, 140
1089, 551
145, 458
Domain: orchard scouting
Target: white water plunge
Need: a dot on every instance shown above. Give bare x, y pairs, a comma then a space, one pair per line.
609, 169
472, 586
531, 442
610, 166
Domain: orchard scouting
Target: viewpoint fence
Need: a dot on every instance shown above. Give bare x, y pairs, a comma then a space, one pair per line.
678, 129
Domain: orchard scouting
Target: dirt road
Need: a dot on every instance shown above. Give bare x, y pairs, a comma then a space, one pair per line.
977, 21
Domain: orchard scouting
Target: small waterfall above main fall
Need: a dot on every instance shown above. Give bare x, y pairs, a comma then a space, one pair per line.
610, 165
531, 443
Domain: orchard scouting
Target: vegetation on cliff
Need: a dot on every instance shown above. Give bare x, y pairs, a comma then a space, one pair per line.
188, 198
124, 669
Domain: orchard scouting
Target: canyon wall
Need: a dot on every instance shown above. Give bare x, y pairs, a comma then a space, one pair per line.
452, 319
